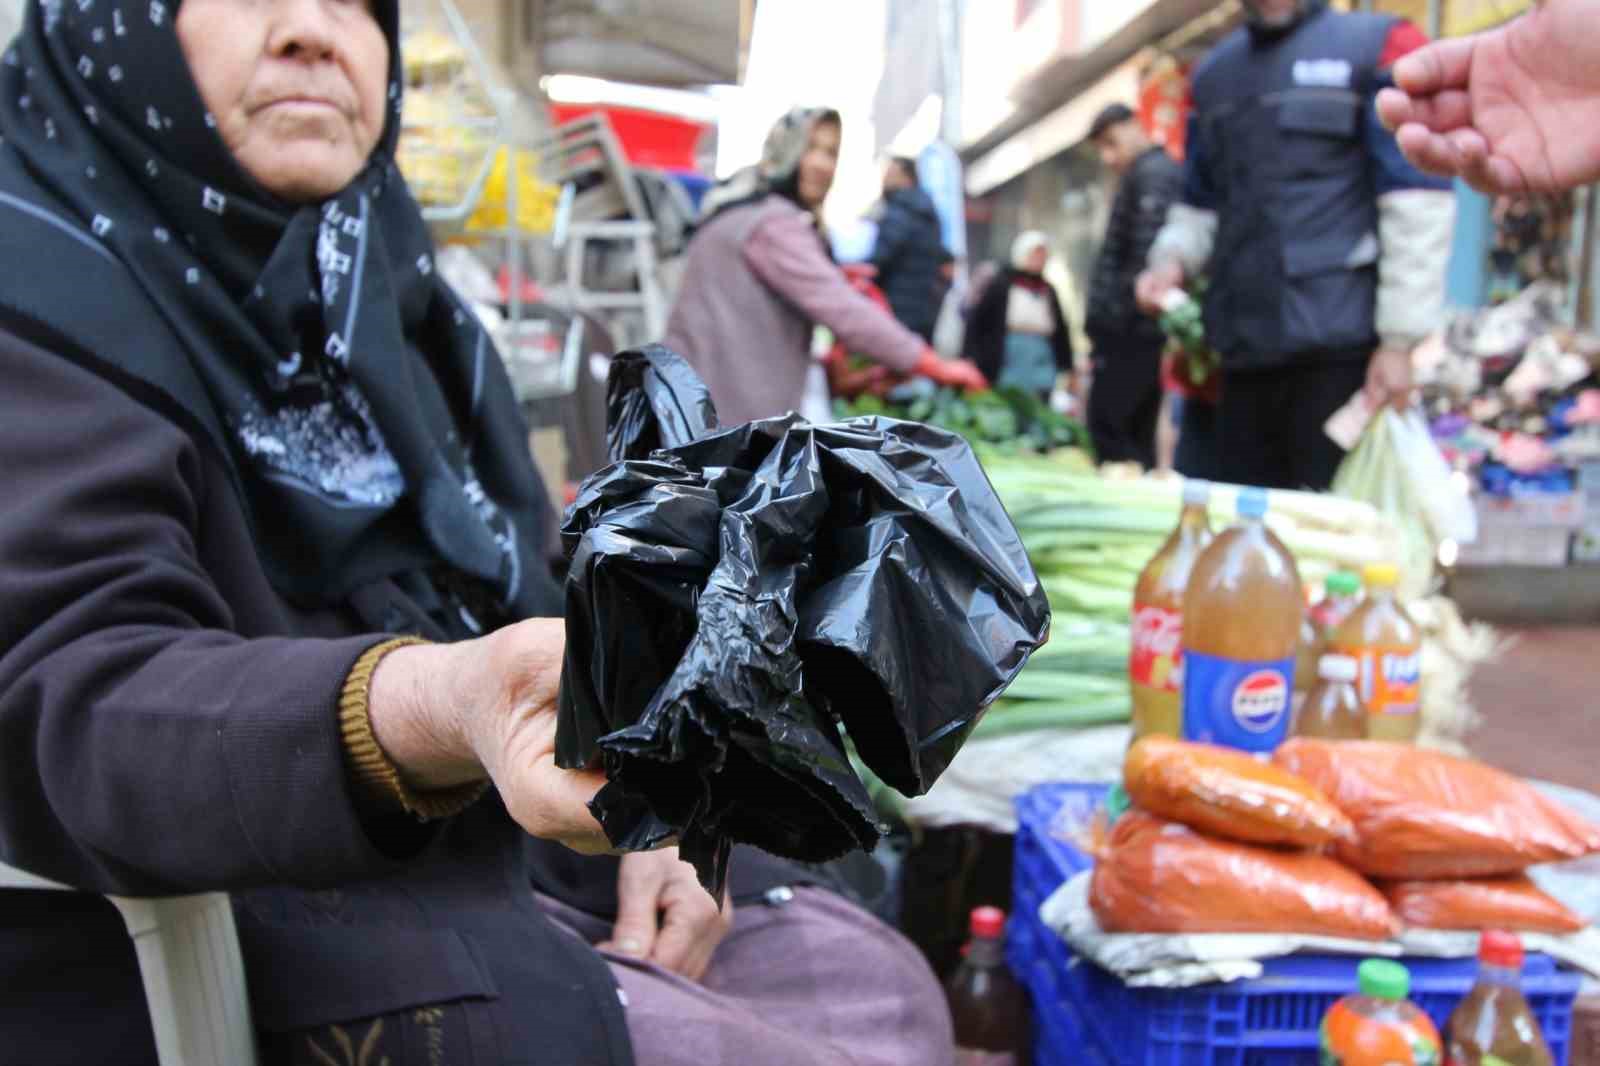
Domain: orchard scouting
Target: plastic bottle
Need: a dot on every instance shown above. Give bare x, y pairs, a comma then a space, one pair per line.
1494, 1026
1380, 1026
1341, 597
1332, 710
1387, 645
987, 1005
1241, 624
1155, 666
1308, 652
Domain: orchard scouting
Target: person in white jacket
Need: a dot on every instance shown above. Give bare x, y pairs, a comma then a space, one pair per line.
1324, 248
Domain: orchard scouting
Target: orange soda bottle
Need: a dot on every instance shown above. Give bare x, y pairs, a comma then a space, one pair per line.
1155, 664
1387, 647
1241, 626
1380, 1026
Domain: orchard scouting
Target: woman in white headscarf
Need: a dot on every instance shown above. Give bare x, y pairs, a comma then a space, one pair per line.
759, 277
1017, 335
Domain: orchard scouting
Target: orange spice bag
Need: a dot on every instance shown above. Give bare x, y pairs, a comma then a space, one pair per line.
1156, 876
1512, 903
1229, 794
1423, 814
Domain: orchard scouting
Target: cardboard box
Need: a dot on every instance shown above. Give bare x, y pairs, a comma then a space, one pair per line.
1564, 509
1511, 543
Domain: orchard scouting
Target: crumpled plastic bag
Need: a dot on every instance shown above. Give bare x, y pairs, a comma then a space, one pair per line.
1511, 903
1229, 794
735, 597
1422, 814
1155, 876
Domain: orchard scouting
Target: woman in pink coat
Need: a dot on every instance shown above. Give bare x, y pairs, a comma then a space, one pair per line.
759, 278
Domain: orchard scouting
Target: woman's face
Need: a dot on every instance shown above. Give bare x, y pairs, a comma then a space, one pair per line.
297, 87
1036, 260
821, 159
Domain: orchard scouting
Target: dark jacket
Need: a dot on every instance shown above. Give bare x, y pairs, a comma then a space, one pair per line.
1288, 150
1151, 186
985, 342
169, 724
908, 254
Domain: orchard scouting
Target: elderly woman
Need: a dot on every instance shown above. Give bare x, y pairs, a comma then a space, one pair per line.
1017, 335
276, 617
759, 277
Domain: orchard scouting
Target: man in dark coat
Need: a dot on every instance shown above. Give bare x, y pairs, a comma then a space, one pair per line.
1125, 398
1325, 250
910, 249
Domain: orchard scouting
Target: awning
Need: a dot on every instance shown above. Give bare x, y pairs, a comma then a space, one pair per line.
646, 42
1117, 40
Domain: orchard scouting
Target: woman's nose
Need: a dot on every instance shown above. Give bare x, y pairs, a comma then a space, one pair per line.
302, 29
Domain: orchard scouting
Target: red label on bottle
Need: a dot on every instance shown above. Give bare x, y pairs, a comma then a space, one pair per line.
1157, 658
966, 1056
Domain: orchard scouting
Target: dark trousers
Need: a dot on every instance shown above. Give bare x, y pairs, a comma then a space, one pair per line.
1125, 399
1199, 452
1270, 422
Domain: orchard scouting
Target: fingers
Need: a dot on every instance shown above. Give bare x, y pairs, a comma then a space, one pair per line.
570, 792
1432, 153
1441, 112
1439, 66
1394, 108
691, 928
639, 887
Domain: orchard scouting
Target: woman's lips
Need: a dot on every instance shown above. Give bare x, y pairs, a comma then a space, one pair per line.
303, 103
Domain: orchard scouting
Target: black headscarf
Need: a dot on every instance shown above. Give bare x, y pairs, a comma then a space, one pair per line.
365, 413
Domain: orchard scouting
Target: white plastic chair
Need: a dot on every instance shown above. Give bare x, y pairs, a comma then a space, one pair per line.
193, 974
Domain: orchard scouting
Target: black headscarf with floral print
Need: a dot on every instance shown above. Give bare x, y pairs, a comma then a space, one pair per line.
364, 411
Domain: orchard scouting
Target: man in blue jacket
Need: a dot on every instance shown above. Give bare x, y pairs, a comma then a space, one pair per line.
1325, 249
910, 249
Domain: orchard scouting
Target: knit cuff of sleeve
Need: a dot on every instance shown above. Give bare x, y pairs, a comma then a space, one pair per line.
377, 779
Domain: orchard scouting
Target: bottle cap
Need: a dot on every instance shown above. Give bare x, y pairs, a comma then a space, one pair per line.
1381, 575
1253, 503
1338, 668
988, 922
1384, 979
1342, 583
1196, 492
1501, 949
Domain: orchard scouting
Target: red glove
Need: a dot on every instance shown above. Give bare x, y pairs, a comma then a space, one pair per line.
955, 373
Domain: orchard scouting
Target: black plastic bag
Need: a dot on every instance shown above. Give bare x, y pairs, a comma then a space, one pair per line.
735, 596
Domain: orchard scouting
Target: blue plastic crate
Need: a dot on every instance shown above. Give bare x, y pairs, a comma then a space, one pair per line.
1083, 1014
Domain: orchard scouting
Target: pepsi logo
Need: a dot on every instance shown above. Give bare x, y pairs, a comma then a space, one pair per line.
1260, 701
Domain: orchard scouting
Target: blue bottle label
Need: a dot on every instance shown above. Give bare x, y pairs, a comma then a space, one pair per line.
1242, 705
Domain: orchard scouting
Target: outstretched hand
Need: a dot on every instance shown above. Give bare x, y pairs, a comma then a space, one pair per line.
1512, 111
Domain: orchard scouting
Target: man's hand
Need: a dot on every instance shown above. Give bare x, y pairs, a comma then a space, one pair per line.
664, 916
1515, 110
1389, 379
447, 714
1154, 284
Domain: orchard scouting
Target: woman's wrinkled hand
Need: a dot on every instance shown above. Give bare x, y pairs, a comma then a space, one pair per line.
664, 916
447, 714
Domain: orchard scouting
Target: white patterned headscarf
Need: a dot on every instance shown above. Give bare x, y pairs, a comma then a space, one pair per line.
779, 167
